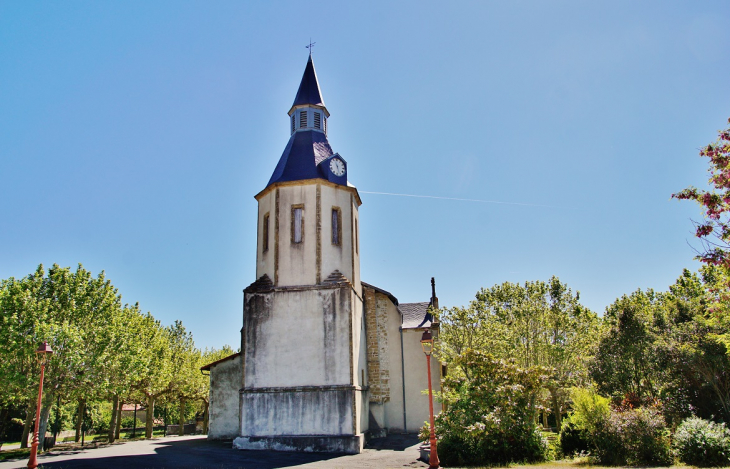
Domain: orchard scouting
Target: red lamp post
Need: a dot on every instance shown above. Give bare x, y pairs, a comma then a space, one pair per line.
427, 344
42, 354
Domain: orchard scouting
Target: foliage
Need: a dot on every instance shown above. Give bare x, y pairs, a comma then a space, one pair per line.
537, 324
634, 437
714, 231
702, 443
103, 350
668, 347
694, 347
490, 417
626, 360
590, 412
128, 422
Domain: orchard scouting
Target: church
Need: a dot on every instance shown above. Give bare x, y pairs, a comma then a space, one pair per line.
326, 359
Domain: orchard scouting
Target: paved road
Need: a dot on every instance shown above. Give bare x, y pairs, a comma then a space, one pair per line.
197, 452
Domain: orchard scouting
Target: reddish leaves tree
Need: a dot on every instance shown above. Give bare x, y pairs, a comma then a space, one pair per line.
714, 231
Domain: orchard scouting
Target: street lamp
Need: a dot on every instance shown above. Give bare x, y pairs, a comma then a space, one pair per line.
427, 344
42, 354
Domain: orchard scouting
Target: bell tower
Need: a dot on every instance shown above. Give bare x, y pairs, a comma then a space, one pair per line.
308, 213
303, 336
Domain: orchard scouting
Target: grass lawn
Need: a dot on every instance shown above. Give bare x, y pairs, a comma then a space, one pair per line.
16, 453
577, 463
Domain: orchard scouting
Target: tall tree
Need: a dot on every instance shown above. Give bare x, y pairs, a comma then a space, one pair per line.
536, 324
714, 230
158, 369
625, 364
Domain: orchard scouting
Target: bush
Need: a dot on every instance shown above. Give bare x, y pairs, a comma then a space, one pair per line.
489, 418
128, 422
573, 440
702, 443
633, 437
590, 412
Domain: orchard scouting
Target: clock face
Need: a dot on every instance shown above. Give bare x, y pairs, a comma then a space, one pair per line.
337, 167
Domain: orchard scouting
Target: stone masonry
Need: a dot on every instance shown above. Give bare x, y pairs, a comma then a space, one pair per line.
377, 345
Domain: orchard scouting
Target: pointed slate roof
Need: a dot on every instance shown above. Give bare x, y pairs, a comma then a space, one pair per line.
305, 150
309, 92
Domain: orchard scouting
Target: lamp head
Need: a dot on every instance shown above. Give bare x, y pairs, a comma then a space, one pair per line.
427, 342
43, 353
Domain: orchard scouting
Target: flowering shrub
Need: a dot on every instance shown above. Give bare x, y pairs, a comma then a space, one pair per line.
490, 413
702, 443
633, 437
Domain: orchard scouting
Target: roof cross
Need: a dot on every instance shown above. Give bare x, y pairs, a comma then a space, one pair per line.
310, 46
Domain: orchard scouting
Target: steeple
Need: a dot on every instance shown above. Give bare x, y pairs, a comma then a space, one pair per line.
308, 153
309, 92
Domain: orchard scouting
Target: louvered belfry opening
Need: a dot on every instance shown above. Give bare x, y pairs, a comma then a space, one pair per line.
317, 120
303, 119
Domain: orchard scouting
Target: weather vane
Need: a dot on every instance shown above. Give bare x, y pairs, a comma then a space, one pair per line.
310, 46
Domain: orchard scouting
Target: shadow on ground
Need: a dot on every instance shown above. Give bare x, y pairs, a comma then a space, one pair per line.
201, 453
393, 442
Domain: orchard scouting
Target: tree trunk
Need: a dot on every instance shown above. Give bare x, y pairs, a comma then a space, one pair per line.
29, 417
150, 416
181, 420
45, 413
119, 420
557, 410
79, 419
3, 423
544, 419
113, 422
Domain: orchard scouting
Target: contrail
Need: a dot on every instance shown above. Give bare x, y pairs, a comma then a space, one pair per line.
463, 200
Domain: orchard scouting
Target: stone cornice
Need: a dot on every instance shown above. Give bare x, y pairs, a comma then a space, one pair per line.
307, 182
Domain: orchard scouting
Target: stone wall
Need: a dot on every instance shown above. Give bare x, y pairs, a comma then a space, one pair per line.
376, 321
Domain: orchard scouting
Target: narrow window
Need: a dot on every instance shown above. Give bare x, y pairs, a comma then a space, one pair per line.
317, 120
357, 244
336, 226
302, 119
297, 222
292, 123
266, 233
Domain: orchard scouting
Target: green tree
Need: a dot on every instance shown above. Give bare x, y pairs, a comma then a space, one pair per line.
155, 355
537, 324
67, 309
625, 364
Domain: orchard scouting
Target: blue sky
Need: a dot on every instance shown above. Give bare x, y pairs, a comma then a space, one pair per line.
133, 136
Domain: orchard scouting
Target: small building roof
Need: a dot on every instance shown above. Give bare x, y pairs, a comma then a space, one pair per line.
384, 292
415, 315
211, 365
